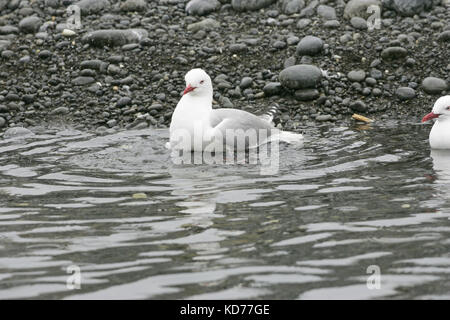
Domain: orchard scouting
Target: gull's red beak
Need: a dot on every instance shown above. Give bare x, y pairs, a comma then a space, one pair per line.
188, 89
430, 116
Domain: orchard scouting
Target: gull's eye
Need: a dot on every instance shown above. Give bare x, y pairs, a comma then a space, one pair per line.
448, 108
202, 81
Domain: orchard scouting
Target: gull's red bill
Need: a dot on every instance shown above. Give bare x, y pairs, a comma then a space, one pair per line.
430, 116
188, 89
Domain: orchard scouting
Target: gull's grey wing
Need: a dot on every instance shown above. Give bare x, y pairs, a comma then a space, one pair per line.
231, 121
225, 118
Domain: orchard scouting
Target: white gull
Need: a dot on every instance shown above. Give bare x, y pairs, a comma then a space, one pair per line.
195, 125
440, 133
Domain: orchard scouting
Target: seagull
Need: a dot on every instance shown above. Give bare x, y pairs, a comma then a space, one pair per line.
196, 126
440, 133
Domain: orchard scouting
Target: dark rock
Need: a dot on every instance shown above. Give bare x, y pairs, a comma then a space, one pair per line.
302, 76
324, 117
408, 7
309, 46
114, 37
80, 81
292, 6
8, 30
45, 54
444, 36
202, 7
405, 93
306, 94
124, 101
246, 82
358, 23
92, 6
4, 44
133, 5
30, 24
272, 88
356, 75
358, 8
206, 24
394, 53
358, 106
242, 5
434, 85
60, 111
326, 12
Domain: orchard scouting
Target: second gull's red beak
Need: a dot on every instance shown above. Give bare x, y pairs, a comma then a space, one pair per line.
430, 116
188, 89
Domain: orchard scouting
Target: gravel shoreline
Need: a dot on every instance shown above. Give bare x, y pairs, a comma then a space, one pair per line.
125, 66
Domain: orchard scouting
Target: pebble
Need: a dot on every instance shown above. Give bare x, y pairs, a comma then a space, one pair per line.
301, 76
202, 7
243, 5
326, 12
272, 88
114, 37
358, 106
292, 6
310, 46
394, 53
356, 75
433, 85
30, 24
206, 24
405, 93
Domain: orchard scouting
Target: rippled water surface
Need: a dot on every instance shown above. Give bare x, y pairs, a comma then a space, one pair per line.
138, 226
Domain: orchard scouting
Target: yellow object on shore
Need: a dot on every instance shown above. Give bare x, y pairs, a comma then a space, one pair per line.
361, 118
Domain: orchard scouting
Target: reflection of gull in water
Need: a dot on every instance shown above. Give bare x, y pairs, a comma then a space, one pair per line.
441, 163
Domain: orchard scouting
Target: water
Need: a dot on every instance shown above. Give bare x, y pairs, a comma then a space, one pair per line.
354, 199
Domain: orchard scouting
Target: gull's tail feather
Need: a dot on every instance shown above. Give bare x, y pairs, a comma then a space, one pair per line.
269, 115
288, 137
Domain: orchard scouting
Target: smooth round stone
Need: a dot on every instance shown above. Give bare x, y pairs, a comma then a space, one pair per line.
279, 44
434, 85
358, 23
309, 46
292, 40
405, 93
358, 8
124, 101
202, 7
60, 111
358, 106
332, 24
356, 75
2, 122
272, 88
30, 24
301, 76
246, 82
326, 12
324, 117
80, 81
394, 53
306, 94
303, 23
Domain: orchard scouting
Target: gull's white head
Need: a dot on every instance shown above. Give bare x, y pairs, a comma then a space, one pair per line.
441, 108
198, 83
